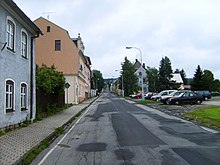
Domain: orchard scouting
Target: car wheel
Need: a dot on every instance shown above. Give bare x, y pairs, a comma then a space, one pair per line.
206, 98
177, 102
199, 102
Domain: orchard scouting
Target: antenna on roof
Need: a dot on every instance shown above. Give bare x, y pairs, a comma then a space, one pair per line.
48, 13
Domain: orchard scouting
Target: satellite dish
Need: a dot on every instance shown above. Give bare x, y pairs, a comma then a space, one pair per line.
4, 46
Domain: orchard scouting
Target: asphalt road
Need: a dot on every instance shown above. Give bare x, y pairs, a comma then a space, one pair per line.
114, 131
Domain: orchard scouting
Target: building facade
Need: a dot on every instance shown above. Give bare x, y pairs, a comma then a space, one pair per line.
17, 65
57, 48
139, 70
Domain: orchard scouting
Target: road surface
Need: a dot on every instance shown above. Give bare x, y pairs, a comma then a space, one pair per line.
115, 131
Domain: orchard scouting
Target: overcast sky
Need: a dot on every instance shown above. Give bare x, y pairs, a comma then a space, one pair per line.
186, 31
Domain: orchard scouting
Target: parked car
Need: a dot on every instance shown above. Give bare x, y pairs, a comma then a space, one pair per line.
215, 93
162, 93
187, 97
171, 95
136, 96
205, 94
149, 95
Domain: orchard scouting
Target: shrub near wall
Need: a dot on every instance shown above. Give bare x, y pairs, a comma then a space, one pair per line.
50, 90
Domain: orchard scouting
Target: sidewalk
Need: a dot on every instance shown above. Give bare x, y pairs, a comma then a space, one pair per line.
15, 144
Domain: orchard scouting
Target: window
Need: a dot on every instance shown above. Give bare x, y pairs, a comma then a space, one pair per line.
140, 73
23, 97
10, 35
57, 45
9, 96
48, 28
23, 44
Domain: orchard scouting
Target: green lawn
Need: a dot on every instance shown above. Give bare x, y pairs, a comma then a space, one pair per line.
209, 116
147, 102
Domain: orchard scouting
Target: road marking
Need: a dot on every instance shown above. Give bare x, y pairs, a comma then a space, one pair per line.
45, 157
209, 130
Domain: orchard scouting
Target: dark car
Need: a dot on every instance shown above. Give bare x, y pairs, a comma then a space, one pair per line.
164, 99
205, 94
188, 97
215, 93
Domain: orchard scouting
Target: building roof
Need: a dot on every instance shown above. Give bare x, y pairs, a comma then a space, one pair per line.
177, 78
137, 65
23, 18
88, 60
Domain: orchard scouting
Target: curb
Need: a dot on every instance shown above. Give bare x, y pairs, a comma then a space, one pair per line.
54, 135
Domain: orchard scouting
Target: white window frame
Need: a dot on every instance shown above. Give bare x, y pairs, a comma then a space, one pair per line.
24, 44
10, 35
9, 96
23, 96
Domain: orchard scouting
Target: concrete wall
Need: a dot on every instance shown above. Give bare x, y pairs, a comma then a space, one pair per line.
71, 94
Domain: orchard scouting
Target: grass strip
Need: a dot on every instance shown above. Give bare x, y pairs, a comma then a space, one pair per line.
33, 154
209, 116
144, 102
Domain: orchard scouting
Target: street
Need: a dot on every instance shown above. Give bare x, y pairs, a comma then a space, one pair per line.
115, 131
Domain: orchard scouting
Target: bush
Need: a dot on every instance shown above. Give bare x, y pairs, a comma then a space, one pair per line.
50, 80
2, 132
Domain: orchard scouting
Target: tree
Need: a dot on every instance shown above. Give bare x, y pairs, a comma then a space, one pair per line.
49, 80
99, 80
129, 77
153, 81
215, 85
197, 79
165, 73
50, 85
183, 75
207, 79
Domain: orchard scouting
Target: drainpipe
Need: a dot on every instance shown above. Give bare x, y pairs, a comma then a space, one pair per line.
31, 79
32, 82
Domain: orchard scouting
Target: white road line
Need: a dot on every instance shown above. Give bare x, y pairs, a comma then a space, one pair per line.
45, 157
210, 130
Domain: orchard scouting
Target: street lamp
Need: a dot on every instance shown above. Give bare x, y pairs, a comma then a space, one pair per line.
142, 85
122, 84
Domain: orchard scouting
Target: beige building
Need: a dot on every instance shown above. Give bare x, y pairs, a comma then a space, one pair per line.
57, 48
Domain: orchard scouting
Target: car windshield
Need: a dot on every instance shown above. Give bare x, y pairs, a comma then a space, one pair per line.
161, 93
181, 94
172, 94
177, 93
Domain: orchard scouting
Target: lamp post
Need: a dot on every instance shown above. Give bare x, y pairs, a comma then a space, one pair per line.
142, 85
122, 84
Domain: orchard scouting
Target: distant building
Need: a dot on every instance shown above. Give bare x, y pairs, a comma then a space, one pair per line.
17, 65
57, 48
177, 78
139, 69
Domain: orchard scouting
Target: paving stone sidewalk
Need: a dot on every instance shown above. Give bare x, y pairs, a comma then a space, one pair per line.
15, 144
